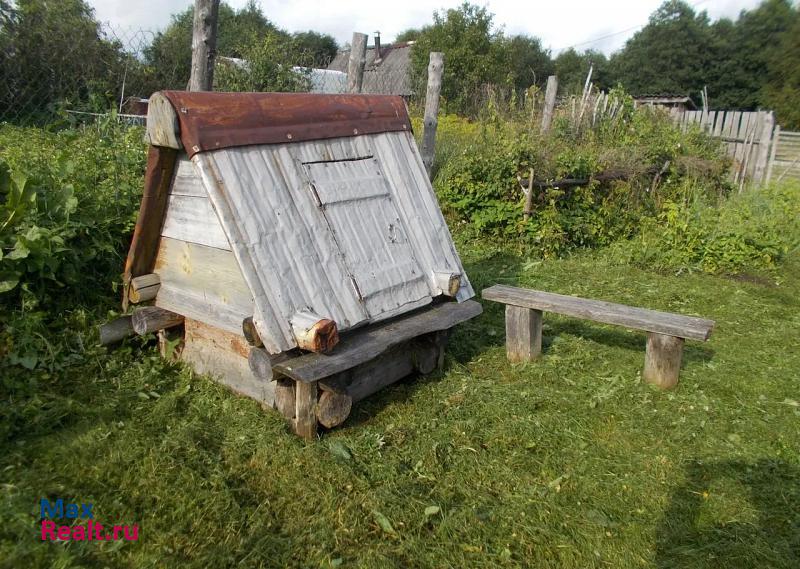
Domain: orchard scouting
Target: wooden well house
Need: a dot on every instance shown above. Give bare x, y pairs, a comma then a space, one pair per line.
294, 247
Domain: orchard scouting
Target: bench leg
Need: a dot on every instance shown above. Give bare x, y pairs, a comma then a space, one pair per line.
523, 333
305, 416
662, 360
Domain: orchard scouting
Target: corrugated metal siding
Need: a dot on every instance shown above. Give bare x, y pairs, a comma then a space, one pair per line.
286, 248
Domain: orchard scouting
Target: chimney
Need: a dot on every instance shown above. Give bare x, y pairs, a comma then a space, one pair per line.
377, 47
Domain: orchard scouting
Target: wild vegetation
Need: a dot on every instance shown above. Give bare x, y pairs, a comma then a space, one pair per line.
566, 462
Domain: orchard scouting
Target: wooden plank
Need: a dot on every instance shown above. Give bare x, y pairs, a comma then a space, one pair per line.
203, 283
662, 360
601, 311
186, 181
360, 346
773, 151
431, 119
764, 139
223, 356
523, 333
194, 220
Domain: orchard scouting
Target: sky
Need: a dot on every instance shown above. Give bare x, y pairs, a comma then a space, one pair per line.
565, 23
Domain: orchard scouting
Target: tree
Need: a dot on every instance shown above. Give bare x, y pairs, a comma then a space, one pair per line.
410, 34
573, 67
313, 48
530, 62
473, 52
52, 52
781, 91
673, 53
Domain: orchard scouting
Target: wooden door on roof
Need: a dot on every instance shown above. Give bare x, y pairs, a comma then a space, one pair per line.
357, 203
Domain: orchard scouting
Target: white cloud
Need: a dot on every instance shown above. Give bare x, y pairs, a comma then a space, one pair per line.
590, 24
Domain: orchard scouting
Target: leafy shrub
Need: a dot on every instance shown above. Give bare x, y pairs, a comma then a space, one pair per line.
747, 232
67, 207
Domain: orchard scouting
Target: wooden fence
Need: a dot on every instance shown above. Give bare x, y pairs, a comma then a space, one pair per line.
747, 135
784, 163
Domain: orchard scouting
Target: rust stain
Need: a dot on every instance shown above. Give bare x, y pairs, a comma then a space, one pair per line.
211, 120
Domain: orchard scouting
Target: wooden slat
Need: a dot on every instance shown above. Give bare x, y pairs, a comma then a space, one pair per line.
601, 311
363, 345
203, 283
186, 181
193, 219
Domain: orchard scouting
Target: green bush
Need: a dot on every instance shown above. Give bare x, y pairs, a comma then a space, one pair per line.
748, 232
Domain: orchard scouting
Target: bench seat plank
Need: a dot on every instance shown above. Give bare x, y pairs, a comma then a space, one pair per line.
606, 312
360, 346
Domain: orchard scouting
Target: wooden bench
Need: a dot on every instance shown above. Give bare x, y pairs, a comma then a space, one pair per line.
666, 332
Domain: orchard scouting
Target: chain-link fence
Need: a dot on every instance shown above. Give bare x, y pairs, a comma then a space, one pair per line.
51, 75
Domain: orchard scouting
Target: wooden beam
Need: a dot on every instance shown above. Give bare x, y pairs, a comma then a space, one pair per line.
260, 364
333, 408
314, 333
523, 333
356, 63
204, 45
431, 119
151, 319
163, 128
285, 397
251, 333
601, 311
662, 360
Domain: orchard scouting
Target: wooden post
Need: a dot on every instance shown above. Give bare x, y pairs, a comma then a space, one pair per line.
355, 66
662, 360
333, 408
431, 121
305, 415
764, 138
776, 137
204, 45
549, 102
284, 397
523, 333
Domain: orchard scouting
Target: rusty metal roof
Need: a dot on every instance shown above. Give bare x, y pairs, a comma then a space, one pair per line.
213, 120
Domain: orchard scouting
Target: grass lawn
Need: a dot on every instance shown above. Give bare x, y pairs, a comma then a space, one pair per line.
568, 462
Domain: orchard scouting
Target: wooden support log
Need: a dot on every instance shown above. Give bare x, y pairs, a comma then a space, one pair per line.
285, 397
260, 363
144, 288
116, 330
251, 333
314, 333
305, 414
333, 408
662, 360
151, 319
447, 282
523, 333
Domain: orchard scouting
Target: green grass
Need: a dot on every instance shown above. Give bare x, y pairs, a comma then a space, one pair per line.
566, 462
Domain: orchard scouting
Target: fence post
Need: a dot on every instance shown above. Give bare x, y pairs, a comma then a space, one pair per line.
355, 66
204, 45
776, 138
431, 120
549, 102
764, 139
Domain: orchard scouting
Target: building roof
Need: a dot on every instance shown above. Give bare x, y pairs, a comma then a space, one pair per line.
666, 99
389, 75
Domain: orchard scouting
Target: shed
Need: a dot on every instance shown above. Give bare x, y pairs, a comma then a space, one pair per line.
387, 68
667, 101
274, 223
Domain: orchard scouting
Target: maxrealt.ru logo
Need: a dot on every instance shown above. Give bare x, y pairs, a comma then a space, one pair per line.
90, 531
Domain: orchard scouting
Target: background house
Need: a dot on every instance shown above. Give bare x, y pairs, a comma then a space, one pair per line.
387, 70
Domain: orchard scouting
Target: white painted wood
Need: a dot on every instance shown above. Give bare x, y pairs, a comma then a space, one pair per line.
202, 283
